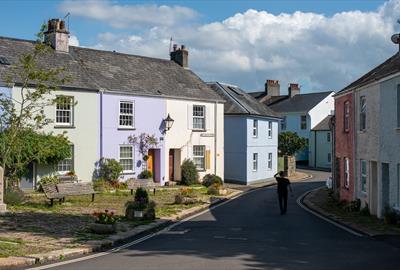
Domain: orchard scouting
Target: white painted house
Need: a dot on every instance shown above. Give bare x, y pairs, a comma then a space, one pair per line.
251, 136
300, 113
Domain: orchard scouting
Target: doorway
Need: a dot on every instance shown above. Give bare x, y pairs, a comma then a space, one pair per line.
154, 163
374, 188
171, 161
385, 184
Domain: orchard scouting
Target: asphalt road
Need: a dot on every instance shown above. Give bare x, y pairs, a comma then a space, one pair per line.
250, 233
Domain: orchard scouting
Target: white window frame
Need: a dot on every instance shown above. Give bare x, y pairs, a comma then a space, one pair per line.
255, 128
132, 169
255, 162
269, 163
199, 159
346, 121
363, 113
269, 129
62, 168
126, 114
363, 176
303, 120
346, 173
68, 113
202, 118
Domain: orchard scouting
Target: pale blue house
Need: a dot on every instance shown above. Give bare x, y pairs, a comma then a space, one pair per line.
251, 136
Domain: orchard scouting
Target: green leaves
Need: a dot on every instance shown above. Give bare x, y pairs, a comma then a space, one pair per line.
290, 143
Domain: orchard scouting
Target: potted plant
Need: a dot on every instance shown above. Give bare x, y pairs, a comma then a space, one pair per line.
106, 223
136, 208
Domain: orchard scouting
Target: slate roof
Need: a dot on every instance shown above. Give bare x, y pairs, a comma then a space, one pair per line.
387, 68
324, 124
238, 102
116, 72
299, 103
258, 95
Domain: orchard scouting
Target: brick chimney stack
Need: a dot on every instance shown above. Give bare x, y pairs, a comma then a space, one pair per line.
294, 89
180, 56
272, 88
57, 35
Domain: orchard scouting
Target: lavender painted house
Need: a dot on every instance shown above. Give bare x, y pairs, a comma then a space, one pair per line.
125, 115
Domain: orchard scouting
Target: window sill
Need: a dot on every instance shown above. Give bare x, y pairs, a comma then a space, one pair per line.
199, 130
128, 172
126, 128
58, 126
201, 170
361, 131
397, 129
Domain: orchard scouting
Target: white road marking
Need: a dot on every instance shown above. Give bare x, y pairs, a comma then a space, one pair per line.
324, 218
116, 249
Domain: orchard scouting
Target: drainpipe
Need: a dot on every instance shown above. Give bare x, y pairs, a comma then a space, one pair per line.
101, 123
215, 137
315, 149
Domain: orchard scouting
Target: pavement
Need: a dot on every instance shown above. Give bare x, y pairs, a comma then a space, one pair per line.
249, 233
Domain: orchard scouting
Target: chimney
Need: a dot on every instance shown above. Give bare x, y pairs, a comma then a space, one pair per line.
272, 88
57, 35
294, 89
180, 56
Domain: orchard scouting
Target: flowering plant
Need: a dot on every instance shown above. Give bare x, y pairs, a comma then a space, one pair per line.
105, 217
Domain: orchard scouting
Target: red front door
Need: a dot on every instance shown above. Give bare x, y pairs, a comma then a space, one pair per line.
171, 164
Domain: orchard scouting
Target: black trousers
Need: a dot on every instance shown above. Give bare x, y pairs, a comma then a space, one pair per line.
282, 196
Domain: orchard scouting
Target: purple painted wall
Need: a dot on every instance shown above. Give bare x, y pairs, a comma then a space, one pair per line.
149, 113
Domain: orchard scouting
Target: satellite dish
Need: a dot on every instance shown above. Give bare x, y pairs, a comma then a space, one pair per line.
396, 38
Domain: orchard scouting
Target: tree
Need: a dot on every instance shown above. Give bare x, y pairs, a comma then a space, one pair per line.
34, 147
35, 82
290, 143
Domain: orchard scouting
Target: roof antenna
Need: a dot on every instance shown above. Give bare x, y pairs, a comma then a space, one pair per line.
170, 45
67, 16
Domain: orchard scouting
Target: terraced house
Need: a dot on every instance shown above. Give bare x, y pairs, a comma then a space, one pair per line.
372, 172
118, 95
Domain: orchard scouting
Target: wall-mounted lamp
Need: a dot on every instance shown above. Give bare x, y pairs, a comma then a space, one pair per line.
168, 122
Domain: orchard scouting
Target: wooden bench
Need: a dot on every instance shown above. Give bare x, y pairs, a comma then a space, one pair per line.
142, 183
60, 191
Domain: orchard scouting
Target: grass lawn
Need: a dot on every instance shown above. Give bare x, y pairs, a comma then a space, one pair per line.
325, 201
36, 227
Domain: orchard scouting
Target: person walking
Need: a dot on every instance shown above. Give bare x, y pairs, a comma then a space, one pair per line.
283, 185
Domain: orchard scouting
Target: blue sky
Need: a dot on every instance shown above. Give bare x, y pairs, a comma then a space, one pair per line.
323, 45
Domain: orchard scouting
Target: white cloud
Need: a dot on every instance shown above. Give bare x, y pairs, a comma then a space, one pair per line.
73, 40
128, 16
321, 52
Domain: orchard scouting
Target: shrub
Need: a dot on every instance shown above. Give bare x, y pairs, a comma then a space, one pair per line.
210, 179
142, 195
145, 174
187, 192
190, 176
105, 217
14, 196
365, 210
47, 180
102, 185
390, 216
110, 169
214, 189
353, 206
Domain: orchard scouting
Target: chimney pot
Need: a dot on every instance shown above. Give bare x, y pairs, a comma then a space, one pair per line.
272, 87
293, 89
180, 56
57, 35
